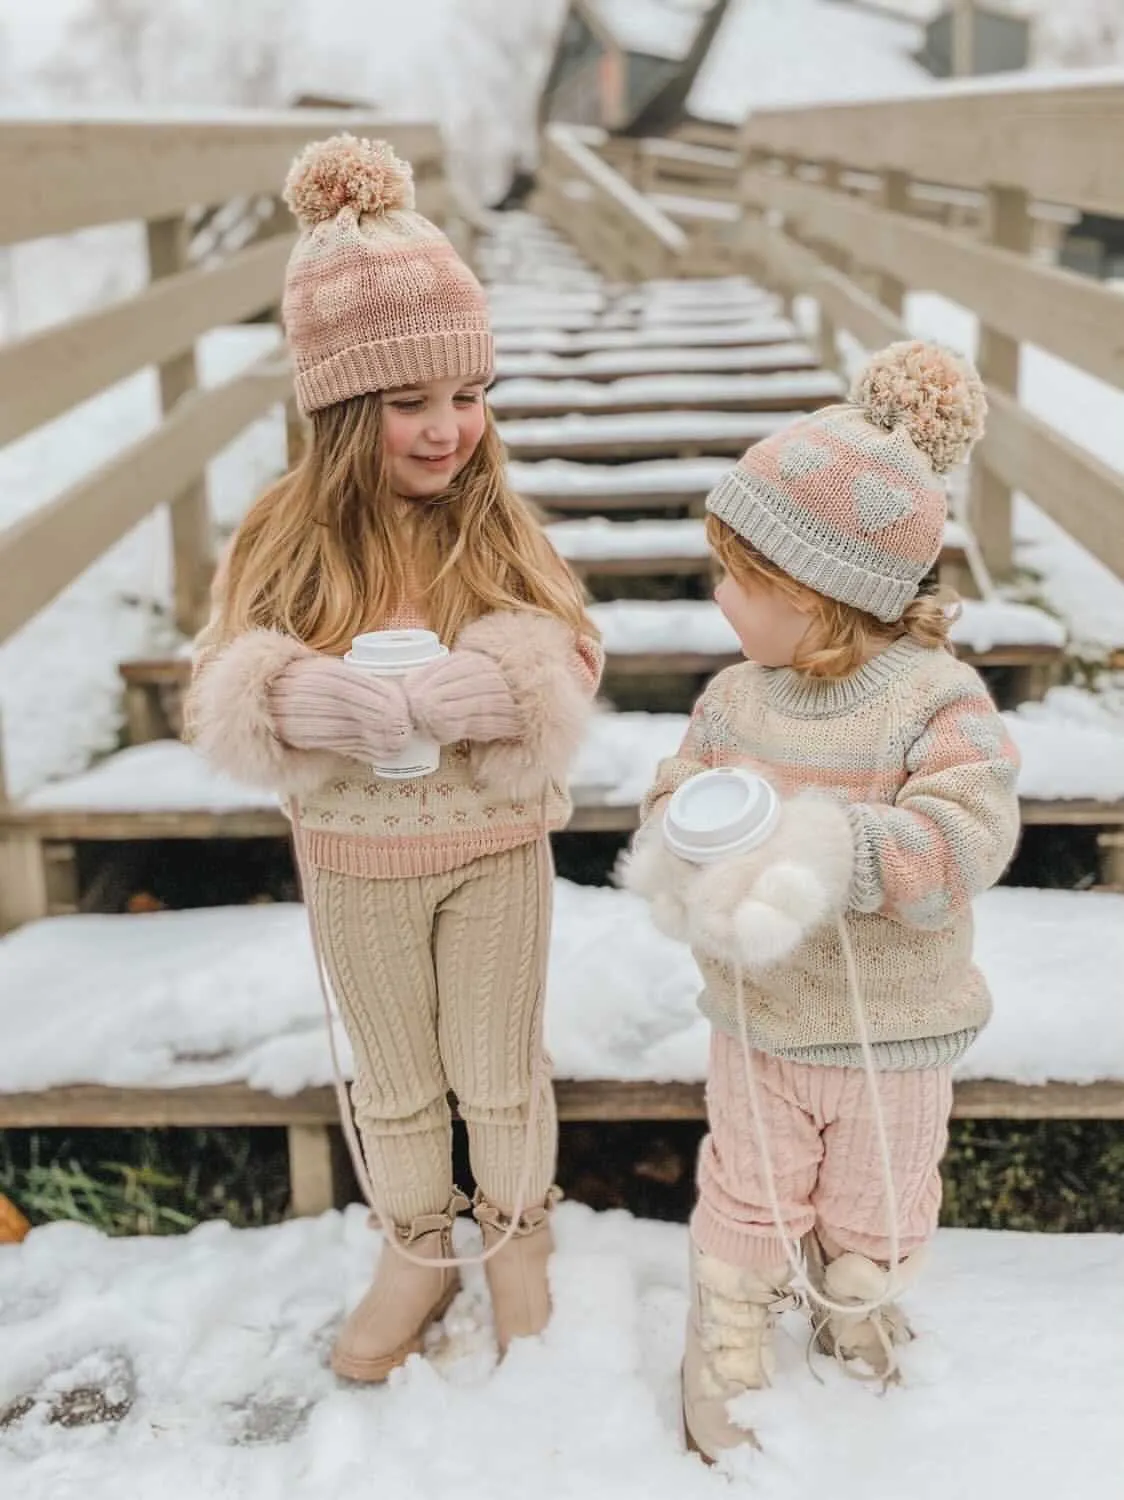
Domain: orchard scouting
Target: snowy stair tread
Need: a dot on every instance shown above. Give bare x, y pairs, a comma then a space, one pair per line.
767, 329
228, 995
658, 434
788, 391
616, 364
1072, 751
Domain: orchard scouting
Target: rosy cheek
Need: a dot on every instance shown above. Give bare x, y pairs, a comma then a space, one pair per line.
470, 427
397, 432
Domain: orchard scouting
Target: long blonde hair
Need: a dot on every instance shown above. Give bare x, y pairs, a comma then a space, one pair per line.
840, 637
325, 553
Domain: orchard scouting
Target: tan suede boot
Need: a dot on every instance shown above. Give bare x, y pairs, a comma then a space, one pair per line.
390, 1322
865, 1343
729, 1347
517, 1274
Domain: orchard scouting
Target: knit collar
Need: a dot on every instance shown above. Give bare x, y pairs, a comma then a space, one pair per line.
819, 698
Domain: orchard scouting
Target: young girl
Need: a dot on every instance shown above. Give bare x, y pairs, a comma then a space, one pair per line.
431, 897
897, 781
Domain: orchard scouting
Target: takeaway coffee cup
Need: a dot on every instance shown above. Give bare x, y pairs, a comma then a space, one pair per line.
719, 813
393, 653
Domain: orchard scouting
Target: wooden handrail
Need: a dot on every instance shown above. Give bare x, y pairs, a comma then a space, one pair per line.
1059, 141
64, 175
49, 372
1073, 317
42, 553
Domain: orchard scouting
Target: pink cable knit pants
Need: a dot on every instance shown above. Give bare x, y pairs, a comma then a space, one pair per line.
821, 1135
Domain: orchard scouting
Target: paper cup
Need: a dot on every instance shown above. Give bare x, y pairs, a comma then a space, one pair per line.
720, 813
393, 653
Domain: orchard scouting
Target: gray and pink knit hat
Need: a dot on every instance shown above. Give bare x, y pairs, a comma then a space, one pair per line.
375, 297
850, 500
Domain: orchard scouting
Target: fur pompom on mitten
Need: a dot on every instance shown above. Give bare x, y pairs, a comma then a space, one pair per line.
756, 909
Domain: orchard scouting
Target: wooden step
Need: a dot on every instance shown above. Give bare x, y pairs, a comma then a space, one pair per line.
192, 1038
664, 434
686, 336
789, 392
617, 364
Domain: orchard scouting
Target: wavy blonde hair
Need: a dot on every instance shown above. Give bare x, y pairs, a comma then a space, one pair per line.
840, 637
326, 553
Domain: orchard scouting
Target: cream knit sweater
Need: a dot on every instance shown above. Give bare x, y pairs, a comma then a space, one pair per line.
913, 746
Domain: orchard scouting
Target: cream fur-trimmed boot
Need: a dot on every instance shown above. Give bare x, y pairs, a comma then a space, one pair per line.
729, 1347
860, 1339
390, 1322
517, 1274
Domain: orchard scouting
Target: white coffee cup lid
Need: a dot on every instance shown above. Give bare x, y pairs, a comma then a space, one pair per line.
394, 650
721, 812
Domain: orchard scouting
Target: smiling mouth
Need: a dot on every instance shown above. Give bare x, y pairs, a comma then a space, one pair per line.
437, 461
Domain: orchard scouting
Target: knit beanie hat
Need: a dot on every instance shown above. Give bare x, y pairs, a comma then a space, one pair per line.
375, 297
850, 500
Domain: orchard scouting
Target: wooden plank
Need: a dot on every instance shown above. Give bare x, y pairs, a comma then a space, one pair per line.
235, 1104
1084, 495
642, 567
1072, 316
1060, 144
42, 553
624, 407
189, 510
96, 825
312, 1178
49, 372
614, 450
62, 175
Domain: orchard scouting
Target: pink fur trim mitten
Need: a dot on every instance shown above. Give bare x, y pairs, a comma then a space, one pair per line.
756, 909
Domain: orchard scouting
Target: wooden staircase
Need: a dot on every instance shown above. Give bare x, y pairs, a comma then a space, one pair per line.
621, 399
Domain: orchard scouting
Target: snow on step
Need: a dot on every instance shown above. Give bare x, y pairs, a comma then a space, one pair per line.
752, 331
1071, 745
622, 362
676, 206
1013, 1387
639, 627
624, 427
666, 476
686, 390
230, 994
578, 541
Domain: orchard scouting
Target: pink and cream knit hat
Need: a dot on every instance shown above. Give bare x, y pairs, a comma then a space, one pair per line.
850, 500
375, 295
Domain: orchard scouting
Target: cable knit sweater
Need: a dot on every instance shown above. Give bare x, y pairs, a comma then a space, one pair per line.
914, 748
482, 799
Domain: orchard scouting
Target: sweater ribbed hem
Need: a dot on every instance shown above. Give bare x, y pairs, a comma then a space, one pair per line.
892, 1055
403, 858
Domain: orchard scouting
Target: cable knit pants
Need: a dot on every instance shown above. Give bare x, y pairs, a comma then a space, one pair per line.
820, 1129
439, 980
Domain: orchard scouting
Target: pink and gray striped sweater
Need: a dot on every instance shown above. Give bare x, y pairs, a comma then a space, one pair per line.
914, 748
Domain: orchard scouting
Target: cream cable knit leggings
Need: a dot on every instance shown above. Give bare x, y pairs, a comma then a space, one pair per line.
439, 982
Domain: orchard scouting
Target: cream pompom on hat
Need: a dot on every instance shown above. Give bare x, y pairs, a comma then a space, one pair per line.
851, 500
376, 297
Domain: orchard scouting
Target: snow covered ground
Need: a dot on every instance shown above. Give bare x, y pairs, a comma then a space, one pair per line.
229, 994
199, 1364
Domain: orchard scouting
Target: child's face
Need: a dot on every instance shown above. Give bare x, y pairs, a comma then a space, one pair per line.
429, 433
768, 624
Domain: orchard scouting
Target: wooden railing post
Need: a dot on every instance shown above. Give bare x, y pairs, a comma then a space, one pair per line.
833, 256
990, 509
894, 197
192, 562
